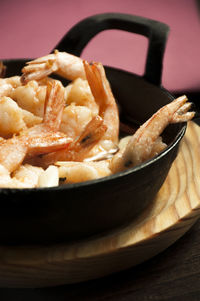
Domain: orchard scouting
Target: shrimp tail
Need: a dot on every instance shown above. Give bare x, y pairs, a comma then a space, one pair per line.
37, 71
104, 97
62, 63
47, 143
54, 105
91, 134
146, 142
182, 114
79, 148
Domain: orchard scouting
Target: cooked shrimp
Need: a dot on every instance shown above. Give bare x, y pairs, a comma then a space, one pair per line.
62, 63
108, 109
12, 153
74, 120
49, 177
45, 136
75, 172
40, 138
7, 85
103, 96
30, 97
101, 99
79, 148
108, 133
25, 177
6, 181
28, 175
145, 143
13, 119
79, 93
30, 119
14, 150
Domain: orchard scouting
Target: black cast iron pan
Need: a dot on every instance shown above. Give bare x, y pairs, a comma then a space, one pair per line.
76, 211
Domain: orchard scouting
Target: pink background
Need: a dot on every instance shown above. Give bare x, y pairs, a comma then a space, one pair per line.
31, 28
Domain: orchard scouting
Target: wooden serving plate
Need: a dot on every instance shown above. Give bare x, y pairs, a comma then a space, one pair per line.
175, 209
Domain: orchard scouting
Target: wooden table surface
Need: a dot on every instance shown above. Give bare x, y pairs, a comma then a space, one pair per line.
173, 275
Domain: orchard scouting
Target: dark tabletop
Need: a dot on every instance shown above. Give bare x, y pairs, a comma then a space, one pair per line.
172, 275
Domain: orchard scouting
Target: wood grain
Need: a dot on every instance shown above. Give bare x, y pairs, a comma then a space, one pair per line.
175, 209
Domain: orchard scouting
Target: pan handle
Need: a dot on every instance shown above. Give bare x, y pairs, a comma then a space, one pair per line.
78, 36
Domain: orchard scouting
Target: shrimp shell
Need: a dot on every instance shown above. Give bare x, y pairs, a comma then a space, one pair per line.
145, 143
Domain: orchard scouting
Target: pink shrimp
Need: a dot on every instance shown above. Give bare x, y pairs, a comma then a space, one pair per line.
41, 138
101, 128
146, 142
103, 96
62, 63
79, 148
